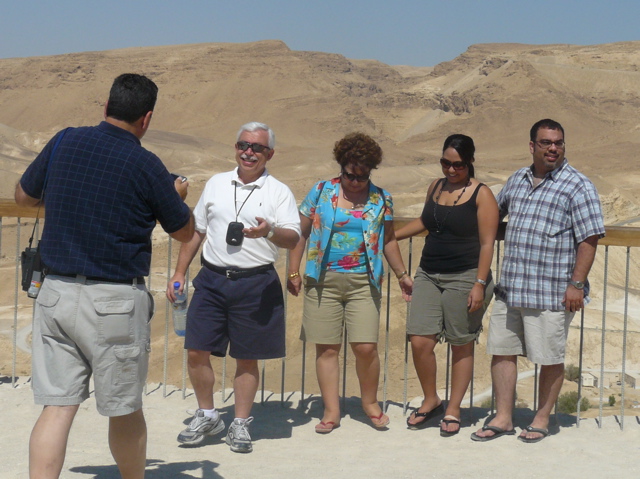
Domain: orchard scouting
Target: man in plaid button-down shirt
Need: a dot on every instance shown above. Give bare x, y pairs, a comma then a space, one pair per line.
555, 221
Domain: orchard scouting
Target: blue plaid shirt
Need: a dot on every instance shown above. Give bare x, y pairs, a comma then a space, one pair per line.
546, 225
103, 197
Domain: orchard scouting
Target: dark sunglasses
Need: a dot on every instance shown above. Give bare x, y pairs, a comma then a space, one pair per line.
359, 178
255, 147
457, 165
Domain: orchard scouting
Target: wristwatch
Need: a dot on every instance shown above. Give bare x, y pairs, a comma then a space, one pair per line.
577, 284
271, 232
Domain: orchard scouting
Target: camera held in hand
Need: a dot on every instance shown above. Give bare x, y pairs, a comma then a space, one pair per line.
235, 236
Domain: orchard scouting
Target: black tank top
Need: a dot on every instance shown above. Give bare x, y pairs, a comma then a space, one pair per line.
457, 246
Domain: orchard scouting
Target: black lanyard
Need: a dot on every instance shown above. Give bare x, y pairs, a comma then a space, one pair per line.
235, 201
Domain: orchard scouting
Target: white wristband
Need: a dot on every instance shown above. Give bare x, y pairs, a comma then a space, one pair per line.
271, 232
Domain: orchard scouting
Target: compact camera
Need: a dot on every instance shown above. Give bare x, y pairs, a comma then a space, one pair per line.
176, 176
235, 236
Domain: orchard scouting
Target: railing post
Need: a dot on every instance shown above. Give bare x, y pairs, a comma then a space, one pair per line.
624, 337
580, 357
385, 370
604, 328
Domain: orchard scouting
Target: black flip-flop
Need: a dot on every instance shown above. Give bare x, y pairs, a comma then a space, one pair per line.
544, 432
451, 420
497, 432
439, 409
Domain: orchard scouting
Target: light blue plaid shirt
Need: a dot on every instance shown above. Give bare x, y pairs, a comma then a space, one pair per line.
546, 224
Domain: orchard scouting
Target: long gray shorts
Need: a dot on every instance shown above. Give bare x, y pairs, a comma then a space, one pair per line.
538, 334
82, 328
439, 306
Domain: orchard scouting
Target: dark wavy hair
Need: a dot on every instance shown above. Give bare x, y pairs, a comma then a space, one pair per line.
546, 123
131, 97
358, 150
463, 144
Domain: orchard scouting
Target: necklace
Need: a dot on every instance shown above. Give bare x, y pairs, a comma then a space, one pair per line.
355, 205
439, 225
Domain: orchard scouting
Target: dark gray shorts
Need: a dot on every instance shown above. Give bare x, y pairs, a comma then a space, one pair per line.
439, 306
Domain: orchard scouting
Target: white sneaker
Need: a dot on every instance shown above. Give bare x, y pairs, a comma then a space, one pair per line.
200, 427
238, 437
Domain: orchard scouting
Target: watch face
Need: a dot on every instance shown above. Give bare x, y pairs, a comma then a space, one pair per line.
578, 284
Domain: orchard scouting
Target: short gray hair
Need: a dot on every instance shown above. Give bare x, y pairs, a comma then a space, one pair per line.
253, 126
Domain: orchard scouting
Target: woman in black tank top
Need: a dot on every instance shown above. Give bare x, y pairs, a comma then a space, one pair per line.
453, 284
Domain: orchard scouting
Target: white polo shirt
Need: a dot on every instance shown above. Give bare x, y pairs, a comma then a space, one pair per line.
266, 197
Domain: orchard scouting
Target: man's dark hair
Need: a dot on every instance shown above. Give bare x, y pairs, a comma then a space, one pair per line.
546, 123
131, 97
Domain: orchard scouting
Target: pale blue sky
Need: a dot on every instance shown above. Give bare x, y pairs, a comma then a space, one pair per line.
409, 32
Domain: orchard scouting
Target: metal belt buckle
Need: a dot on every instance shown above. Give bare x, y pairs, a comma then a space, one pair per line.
228, 273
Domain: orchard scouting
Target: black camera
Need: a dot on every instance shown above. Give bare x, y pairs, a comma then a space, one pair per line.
27, 261
235, 237
176, 176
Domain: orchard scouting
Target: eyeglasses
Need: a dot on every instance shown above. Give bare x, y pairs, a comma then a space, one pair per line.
352, 177
256, 147
546, 144
457, 165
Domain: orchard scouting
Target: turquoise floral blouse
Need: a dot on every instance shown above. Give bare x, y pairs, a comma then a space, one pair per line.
320, 206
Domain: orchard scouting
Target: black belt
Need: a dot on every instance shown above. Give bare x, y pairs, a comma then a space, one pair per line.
82, 278
236, 273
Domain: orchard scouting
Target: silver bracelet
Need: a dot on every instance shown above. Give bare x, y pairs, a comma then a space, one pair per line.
481, 281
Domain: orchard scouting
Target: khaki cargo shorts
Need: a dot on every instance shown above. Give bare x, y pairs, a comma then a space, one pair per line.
83, 328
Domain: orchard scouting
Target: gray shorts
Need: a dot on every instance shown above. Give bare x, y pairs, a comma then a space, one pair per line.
538, 334
340, 299
82, 328
439, 306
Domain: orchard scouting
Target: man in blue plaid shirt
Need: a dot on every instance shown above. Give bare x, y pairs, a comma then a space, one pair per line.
555, 221
104, 195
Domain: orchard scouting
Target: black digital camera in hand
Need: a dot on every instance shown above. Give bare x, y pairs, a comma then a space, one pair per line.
176, 176
235, 236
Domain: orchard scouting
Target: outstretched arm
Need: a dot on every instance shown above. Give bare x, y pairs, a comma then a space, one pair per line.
187, 252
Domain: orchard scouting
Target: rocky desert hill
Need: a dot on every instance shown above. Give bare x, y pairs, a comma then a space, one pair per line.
492, 92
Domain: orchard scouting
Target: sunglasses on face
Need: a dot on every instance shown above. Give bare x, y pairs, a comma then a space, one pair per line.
255, 147
457, 165
358, 178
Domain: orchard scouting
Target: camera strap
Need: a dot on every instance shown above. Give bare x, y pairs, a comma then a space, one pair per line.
235, 201
44, 186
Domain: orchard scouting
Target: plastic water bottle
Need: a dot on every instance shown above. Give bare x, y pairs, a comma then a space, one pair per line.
179, 310
34, 287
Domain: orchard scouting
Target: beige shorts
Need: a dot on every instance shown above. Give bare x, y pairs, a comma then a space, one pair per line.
82, 328
337, 300
538, 334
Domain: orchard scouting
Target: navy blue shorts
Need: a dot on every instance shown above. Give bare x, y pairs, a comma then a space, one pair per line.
247, 313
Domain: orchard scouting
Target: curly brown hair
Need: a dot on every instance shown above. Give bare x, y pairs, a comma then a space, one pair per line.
358, 150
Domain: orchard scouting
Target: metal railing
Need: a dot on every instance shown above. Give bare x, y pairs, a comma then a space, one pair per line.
616, 326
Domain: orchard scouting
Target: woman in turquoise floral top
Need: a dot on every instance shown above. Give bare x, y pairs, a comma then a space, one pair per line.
349, 224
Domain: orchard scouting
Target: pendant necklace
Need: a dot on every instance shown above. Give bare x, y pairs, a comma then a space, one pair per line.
355, 205
440, 226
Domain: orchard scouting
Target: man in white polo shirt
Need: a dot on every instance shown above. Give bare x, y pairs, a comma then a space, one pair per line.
245, 215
